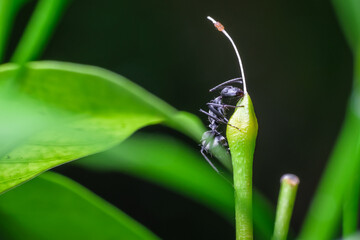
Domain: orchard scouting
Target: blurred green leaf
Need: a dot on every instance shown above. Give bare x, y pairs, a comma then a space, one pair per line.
348, 12
94, 109
324, 213
355, 236
192, 126
341, 169
53, 207
169, 163
187, 123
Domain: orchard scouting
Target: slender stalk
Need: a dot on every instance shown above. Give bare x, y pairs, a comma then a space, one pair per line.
5, 19
7, 13
242, 145
287, 195
243, 195
221, 28
39, 30
351, 208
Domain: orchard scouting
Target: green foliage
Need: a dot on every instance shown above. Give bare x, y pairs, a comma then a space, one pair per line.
92, 112
344, 163
52, 207
54, 112
169, 163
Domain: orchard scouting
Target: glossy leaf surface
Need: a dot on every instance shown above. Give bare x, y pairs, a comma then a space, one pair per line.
79, 110
53, 207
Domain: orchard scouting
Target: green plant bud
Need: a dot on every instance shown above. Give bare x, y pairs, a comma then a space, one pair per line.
241, 135
242, 129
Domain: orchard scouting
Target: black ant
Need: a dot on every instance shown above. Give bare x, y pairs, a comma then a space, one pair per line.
217, 107
216, 115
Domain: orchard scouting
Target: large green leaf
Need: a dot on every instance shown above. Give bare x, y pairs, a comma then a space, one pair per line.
169, 163
75, 110
52, 207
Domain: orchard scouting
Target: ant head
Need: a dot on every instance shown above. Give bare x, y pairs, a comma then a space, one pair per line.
230, 91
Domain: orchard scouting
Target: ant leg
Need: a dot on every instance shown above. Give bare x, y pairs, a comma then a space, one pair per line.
206, 113
225, 121
224, 105
220, 120
224, 83
216, 170
215, 111
234, 126
215, 117
208, 160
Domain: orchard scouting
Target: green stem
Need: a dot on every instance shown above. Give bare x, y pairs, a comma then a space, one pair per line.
241, 134
243, 195
351, 208
8, 9
38, 31
287, 195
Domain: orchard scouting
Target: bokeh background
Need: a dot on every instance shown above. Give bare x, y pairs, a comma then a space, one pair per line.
299, 74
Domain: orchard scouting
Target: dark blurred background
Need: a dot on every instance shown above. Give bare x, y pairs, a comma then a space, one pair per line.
299, 74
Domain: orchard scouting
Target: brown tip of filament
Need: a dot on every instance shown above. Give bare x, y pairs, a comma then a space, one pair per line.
219, 26
290, 179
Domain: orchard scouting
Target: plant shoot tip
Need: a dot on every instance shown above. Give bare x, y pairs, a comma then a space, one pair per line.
218, 25
221, 28
290, 179
211, 19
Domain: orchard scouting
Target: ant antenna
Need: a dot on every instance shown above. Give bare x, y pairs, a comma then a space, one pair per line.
221, 28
